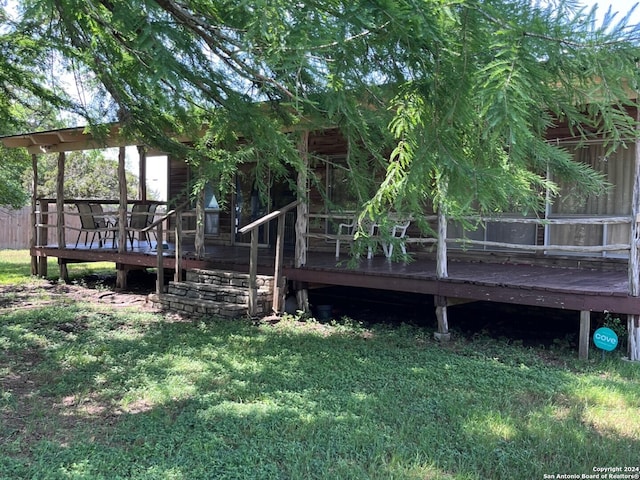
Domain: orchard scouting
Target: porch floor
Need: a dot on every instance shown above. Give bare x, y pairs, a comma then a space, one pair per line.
523, 284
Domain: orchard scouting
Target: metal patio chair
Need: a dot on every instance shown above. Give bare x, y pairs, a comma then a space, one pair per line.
142, 215
94, 221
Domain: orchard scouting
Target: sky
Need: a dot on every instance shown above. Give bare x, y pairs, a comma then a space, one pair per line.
621, 6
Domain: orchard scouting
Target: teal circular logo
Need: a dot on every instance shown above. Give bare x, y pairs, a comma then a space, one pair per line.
605, 339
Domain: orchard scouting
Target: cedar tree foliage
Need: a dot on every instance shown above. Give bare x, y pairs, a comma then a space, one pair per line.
449, 99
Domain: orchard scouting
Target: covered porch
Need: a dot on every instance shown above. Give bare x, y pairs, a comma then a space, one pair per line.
600, 268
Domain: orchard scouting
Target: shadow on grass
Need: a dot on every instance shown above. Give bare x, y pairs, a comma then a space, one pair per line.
96, 394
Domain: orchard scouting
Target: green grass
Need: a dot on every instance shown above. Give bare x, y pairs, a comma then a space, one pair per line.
15, 268
87, 392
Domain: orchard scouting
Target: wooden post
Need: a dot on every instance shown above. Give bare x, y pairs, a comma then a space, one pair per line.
142, 173
142, 183
199, 241
278, 287
253, 274
585, 330
177, 277
443, 322
302, 219
633, 321
43, 234
62, 244
159, 262
442, 272
34, 218
121, 274
442, 267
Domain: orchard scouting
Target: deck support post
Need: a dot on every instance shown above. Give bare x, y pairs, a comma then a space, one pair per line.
62, 244
302, 218
121, 274
585, 329
442, 334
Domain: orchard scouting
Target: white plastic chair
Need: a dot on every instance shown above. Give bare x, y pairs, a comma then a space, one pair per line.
399, 230
351, 229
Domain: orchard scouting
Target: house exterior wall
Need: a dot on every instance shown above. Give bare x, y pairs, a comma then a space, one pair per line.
328, 196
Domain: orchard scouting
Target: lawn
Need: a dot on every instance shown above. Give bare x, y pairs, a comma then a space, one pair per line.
15, 268
92, 392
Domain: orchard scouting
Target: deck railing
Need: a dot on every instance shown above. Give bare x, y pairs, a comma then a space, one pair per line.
603, 248
158, 225
43, 215
278, 288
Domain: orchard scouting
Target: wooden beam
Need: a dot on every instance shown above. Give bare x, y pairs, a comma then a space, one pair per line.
541, 297
16, 142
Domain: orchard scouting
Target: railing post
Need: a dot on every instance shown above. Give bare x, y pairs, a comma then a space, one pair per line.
43, 235
278, 288
178, 230
160, 261
253, 274
34, 216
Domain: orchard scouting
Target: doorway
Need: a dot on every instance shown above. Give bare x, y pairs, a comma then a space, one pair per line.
249, 205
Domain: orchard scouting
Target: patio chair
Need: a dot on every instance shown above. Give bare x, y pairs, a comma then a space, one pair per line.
351, 229
94, 221
142, 215
398, 231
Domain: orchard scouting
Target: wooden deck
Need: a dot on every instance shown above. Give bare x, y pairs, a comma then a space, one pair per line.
552, 287
522, 284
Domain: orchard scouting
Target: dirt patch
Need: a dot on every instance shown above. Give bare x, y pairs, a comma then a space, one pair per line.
94, 289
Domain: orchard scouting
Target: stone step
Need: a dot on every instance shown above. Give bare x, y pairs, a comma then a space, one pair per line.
183, 304
224, 278
213, 292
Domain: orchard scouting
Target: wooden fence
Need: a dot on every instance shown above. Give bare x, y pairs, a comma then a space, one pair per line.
15, 228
